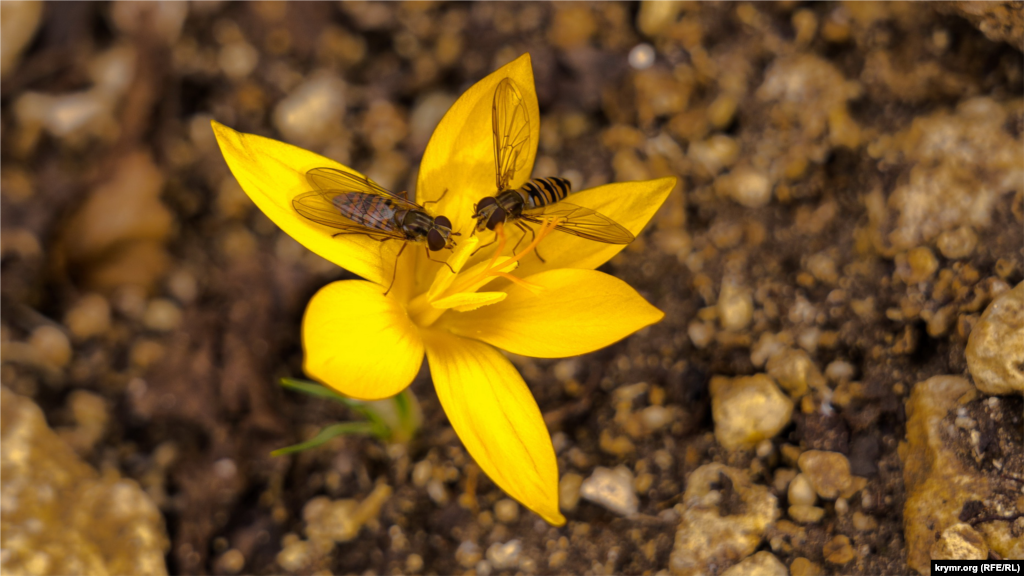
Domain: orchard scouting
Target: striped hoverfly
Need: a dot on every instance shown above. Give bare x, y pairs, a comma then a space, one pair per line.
357, 205
540, 198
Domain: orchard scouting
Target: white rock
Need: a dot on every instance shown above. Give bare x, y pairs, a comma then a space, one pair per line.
995, 348
502, 556
747, 410
311, 114
612, 489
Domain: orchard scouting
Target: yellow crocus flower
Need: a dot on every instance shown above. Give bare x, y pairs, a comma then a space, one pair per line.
369, 345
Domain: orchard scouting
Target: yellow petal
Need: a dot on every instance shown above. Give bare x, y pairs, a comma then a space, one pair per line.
272, 173
631, 204
360, 342
579, 311
464, 301
497, 419
460, 154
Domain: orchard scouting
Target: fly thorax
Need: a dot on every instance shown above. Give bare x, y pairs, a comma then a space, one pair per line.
415, 224
513, 201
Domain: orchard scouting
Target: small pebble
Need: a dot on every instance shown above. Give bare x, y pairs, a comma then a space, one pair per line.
557, 559
746, 186
421, 473
960, 542
468, 554
641, 57
714, 154
801, 492
238, 59
804, 567
504, 556
295, 555
162, 315
183, 286
437, 492
231, 562
657, 417
569, 491
839, 371
918, 265
827, 472
130, 301
863, 522
959, 243
145, 353
312, 112
735, 307
842, 506
806, 514
794, 371
838, 550
747, 410
612, 489
52, 345
995, 348
701, 334
654, 17
760, 564
506, 510
89, 317
413, 563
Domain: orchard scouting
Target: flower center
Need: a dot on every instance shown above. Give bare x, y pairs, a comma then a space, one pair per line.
460, 292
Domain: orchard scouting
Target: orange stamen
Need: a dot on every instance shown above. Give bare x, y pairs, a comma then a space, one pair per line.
492, 270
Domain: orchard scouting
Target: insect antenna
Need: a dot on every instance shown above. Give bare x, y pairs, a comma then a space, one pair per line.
439, 198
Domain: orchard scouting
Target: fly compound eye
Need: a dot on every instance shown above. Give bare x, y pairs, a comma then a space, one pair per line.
497, 217
485, 203
443, 221
435, 241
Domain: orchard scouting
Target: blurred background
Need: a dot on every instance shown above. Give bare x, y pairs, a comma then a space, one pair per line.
850, 201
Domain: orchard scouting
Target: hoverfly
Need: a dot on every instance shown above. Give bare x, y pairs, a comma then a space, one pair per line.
357, 205
539, 198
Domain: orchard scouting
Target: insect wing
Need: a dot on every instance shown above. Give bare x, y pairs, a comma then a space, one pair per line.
510, 123
320, 207
334, 181
582, 222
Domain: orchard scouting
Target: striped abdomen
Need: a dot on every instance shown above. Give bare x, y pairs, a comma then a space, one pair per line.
543, 191
367, 209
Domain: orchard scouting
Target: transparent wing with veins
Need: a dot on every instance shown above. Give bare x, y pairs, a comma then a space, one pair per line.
582, 222
338, 191
510, 123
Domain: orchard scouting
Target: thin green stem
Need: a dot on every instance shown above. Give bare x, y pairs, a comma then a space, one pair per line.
343, 428
320, 391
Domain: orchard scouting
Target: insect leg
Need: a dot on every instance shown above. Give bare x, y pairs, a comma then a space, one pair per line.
533, 236
440, 261
394, 272
482, 246
525, 229
439, 198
